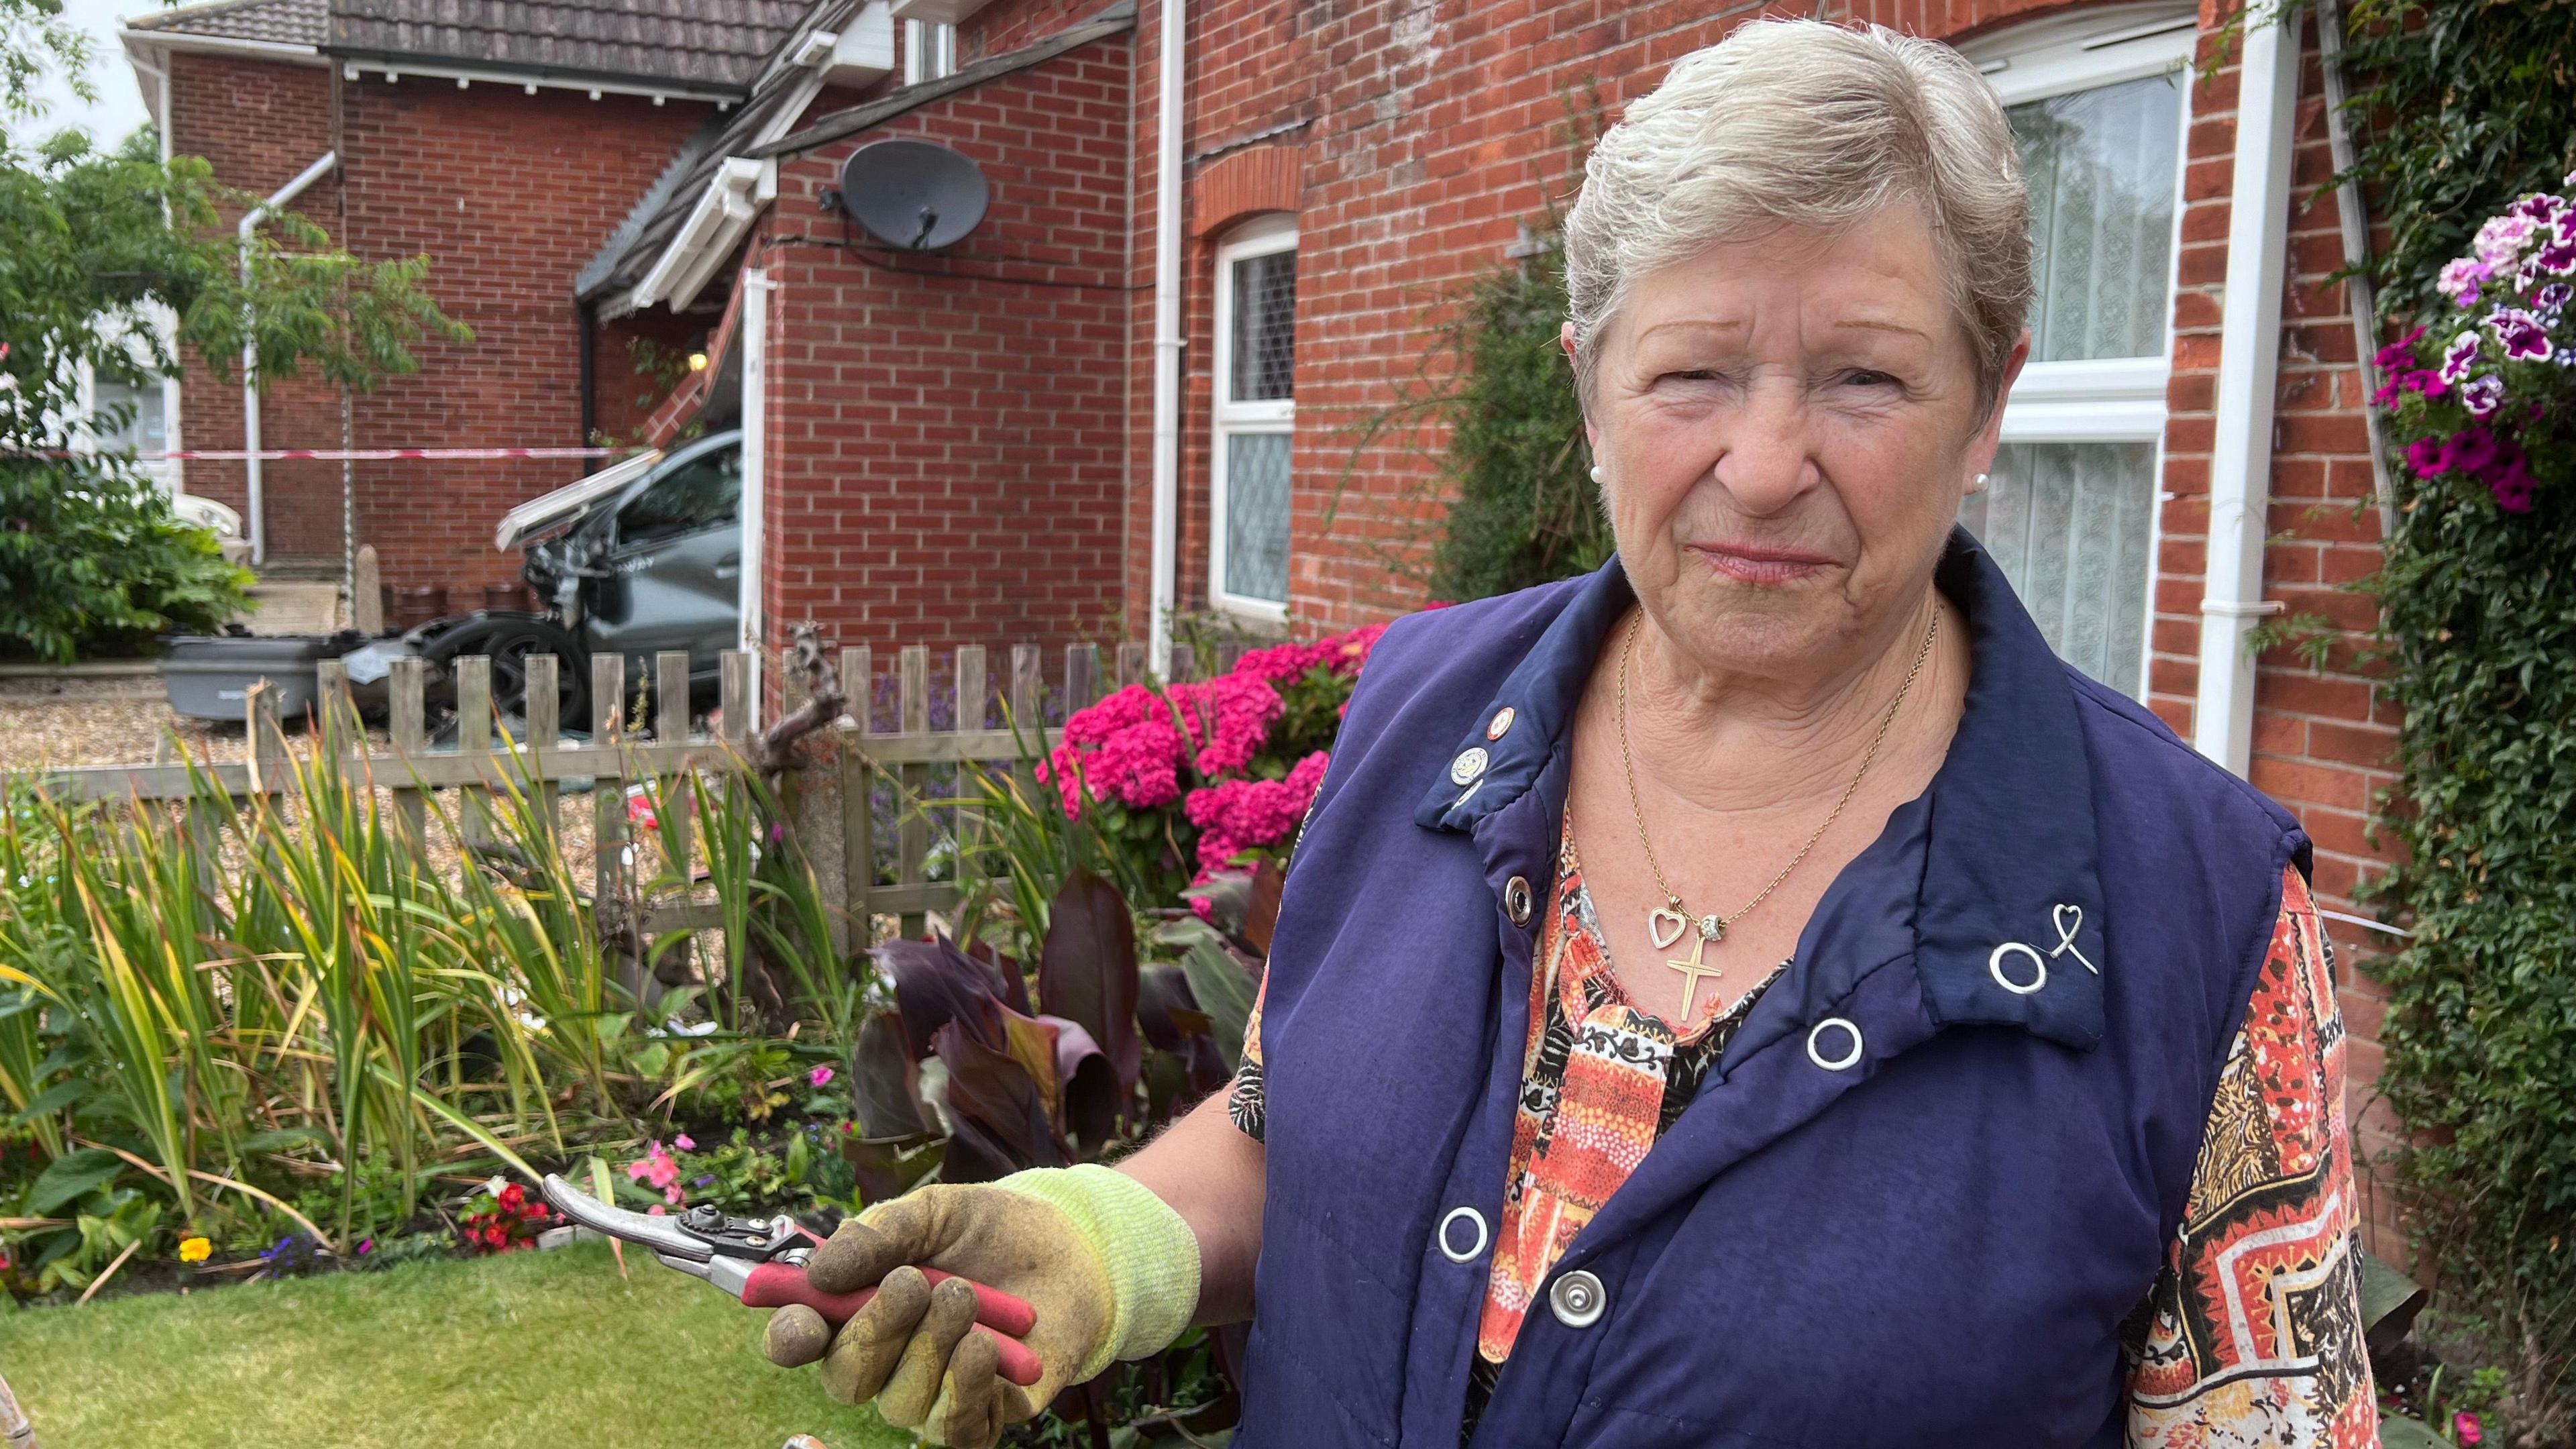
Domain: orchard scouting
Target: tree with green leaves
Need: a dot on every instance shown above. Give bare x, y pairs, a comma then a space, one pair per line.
115, 265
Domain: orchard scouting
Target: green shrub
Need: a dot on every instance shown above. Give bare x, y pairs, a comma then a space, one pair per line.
98, 565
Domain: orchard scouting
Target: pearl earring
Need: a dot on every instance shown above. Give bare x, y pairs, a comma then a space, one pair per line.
1596, 472
1979, 486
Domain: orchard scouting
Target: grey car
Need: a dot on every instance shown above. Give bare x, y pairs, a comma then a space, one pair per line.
636, 559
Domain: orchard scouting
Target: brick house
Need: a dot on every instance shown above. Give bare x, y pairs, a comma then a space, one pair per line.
503, 141
967, 447
1133, 388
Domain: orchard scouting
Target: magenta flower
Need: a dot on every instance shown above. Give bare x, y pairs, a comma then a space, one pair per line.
2428, 457
2512, 486
2557, 256
819, 1078
2471, 450
2466, 1428
2553, 297
1281, 663
1228, 719
683, 1143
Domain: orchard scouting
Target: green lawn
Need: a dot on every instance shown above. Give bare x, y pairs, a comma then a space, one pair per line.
531, 1351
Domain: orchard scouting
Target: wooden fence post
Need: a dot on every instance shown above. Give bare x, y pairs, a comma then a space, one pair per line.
408, 682
671, 813
473, 738
1081, 677
1185, 663
608, 802
545, 732
1131, 664
912, 825
858, 805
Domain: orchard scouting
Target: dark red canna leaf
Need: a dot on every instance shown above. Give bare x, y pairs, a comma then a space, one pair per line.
1087, 970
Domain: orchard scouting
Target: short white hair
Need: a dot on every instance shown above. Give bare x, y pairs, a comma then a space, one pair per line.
1805, 123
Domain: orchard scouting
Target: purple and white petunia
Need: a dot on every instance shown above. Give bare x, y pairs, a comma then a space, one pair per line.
2524, 336
2553, 297
2460, 356
2461, 279
2481, 395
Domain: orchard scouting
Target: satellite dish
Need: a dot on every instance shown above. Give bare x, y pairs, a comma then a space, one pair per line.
915, 196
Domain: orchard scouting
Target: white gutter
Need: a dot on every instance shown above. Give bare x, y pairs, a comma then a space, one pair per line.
1167, 340
250, 346
2240, 463
170, 40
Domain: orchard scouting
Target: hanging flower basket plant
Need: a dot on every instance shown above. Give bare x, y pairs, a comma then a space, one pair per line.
2481, 395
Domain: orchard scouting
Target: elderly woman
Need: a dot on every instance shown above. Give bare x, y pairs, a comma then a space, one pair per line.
1754, 995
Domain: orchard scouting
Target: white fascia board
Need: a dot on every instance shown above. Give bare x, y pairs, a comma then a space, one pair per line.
937, 12
733, 199
865, 50
395, 70
536, 514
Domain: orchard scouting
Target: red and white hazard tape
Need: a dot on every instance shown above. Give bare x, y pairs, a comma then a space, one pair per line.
347, 455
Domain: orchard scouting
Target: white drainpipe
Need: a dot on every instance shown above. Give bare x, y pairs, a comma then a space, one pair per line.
752, 336
2240, 464
250, 346
1167, 340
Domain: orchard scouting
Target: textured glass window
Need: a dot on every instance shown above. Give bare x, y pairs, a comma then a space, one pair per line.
2101, 167
126, 416
2070, 525
1265, 325
1256, 516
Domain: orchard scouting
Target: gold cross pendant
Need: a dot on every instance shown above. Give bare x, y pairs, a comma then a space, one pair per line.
1694, 971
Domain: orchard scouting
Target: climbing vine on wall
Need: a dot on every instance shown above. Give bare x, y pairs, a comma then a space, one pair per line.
2465, 105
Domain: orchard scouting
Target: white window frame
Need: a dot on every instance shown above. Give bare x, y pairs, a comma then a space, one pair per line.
929, 51
2109, 399
1262, 237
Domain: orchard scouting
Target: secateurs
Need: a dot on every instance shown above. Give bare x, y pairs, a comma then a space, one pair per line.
761, 1261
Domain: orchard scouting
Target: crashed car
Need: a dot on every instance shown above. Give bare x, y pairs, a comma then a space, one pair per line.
641, 557
638, 558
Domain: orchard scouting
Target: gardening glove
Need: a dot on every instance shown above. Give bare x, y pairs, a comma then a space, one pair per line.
1109, 1269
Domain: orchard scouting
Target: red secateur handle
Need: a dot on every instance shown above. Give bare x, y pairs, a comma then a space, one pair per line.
998, 1314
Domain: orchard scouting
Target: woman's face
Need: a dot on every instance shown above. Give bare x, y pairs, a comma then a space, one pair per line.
1785, 427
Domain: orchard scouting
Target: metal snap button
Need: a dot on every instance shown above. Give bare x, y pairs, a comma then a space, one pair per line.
1840, 1063
1469, 764
1578, 1300
1516, 899
1474, 1250
1502, 723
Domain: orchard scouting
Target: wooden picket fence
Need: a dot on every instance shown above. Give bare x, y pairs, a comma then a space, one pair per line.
482, 761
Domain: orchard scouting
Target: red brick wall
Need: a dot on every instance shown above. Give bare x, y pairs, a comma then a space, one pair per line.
259, 124
509, 195
945, 458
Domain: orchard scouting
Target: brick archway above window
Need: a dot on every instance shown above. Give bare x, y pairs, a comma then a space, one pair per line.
1247, 183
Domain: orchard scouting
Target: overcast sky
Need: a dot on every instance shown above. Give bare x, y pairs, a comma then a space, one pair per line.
119, 107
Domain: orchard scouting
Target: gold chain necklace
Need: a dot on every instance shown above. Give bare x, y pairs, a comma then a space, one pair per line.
1665, 923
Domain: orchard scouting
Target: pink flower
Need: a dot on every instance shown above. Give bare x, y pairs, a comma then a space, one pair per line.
2500, 241
655, 1168
2557, 256
683, 1143
1228, 719
1239, 815
1125, 748
2466, 1428
1350, 651
819, 1077
1281, 663
2459, 280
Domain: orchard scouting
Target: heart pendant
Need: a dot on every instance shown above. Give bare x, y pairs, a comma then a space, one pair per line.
1665, 926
